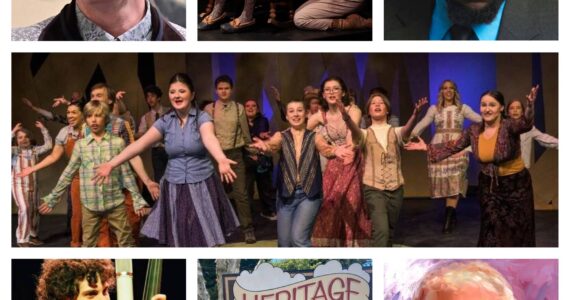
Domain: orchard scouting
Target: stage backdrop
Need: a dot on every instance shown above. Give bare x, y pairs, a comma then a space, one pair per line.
407, 77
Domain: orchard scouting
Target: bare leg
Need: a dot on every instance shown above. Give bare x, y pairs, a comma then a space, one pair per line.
217, 11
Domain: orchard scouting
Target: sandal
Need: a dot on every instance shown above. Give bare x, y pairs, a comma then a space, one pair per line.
232, 27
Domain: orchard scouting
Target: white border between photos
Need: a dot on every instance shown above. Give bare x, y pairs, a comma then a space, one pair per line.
378, 255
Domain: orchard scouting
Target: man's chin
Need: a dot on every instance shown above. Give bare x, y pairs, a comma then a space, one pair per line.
468, 12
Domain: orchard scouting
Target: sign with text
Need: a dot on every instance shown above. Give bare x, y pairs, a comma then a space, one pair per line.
327, 282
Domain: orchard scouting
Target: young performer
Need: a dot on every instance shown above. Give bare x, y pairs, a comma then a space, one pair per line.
299, 179
516, 110
25, 189
64, 144
383, 180
342, 220
193, 210
232, 131
448, 177
99, 201
505, 186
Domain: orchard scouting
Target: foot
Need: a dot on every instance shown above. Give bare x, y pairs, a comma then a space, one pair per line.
353, 21
250, 237
269, 216
34, 241
23, 245
209, 22
236, 25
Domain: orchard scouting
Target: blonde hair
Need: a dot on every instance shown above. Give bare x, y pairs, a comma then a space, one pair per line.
97, 108
452, 277
456, 96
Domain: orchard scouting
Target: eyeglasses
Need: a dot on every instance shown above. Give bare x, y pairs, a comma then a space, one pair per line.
332, 90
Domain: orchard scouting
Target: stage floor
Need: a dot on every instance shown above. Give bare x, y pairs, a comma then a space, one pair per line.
266, 32
420, 225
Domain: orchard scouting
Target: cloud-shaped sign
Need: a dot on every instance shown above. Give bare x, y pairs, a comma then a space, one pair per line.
266, 277
334, 267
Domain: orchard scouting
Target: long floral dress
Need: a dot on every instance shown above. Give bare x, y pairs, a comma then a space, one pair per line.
447, 177
342, 220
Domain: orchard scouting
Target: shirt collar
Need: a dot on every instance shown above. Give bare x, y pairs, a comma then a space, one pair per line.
191, 112
90, 137
440, 24
90, 31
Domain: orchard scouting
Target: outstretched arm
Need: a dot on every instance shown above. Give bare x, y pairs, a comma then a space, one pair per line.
213, 145
48, 142
407, 129
425, 121
545, 140
53, 157
271, 145
149, 138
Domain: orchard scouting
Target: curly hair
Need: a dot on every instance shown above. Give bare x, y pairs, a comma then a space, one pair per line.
60, 278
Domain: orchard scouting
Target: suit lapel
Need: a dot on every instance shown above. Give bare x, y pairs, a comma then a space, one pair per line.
517, 22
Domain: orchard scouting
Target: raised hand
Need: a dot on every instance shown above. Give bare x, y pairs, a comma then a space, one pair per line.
418, 106
420, 145
275, 93
59, 101
224, 166
120, 95
16, 128
40, 125
531, 97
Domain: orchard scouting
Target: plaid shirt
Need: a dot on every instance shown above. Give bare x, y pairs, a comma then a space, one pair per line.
87, 154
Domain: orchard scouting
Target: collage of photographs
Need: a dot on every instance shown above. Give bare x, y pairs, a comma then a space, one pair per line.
284, 149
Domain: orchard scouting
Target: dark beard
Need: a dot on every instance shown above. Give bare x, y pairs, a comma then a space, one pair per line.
463, 15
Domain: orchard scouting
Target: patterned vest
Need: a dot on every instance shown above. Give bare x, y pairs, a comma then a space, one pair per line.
309, 171
382, 168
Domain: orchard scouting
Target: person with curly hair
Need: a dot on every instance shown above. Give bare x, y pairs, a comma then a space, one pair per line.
78, 279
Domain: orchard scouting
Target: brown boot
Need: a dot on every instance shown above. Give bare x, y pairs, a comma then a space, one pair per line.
353, 21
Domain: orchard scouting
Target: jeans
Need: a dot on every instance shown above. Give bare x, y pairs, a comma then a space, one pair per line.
295, 219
